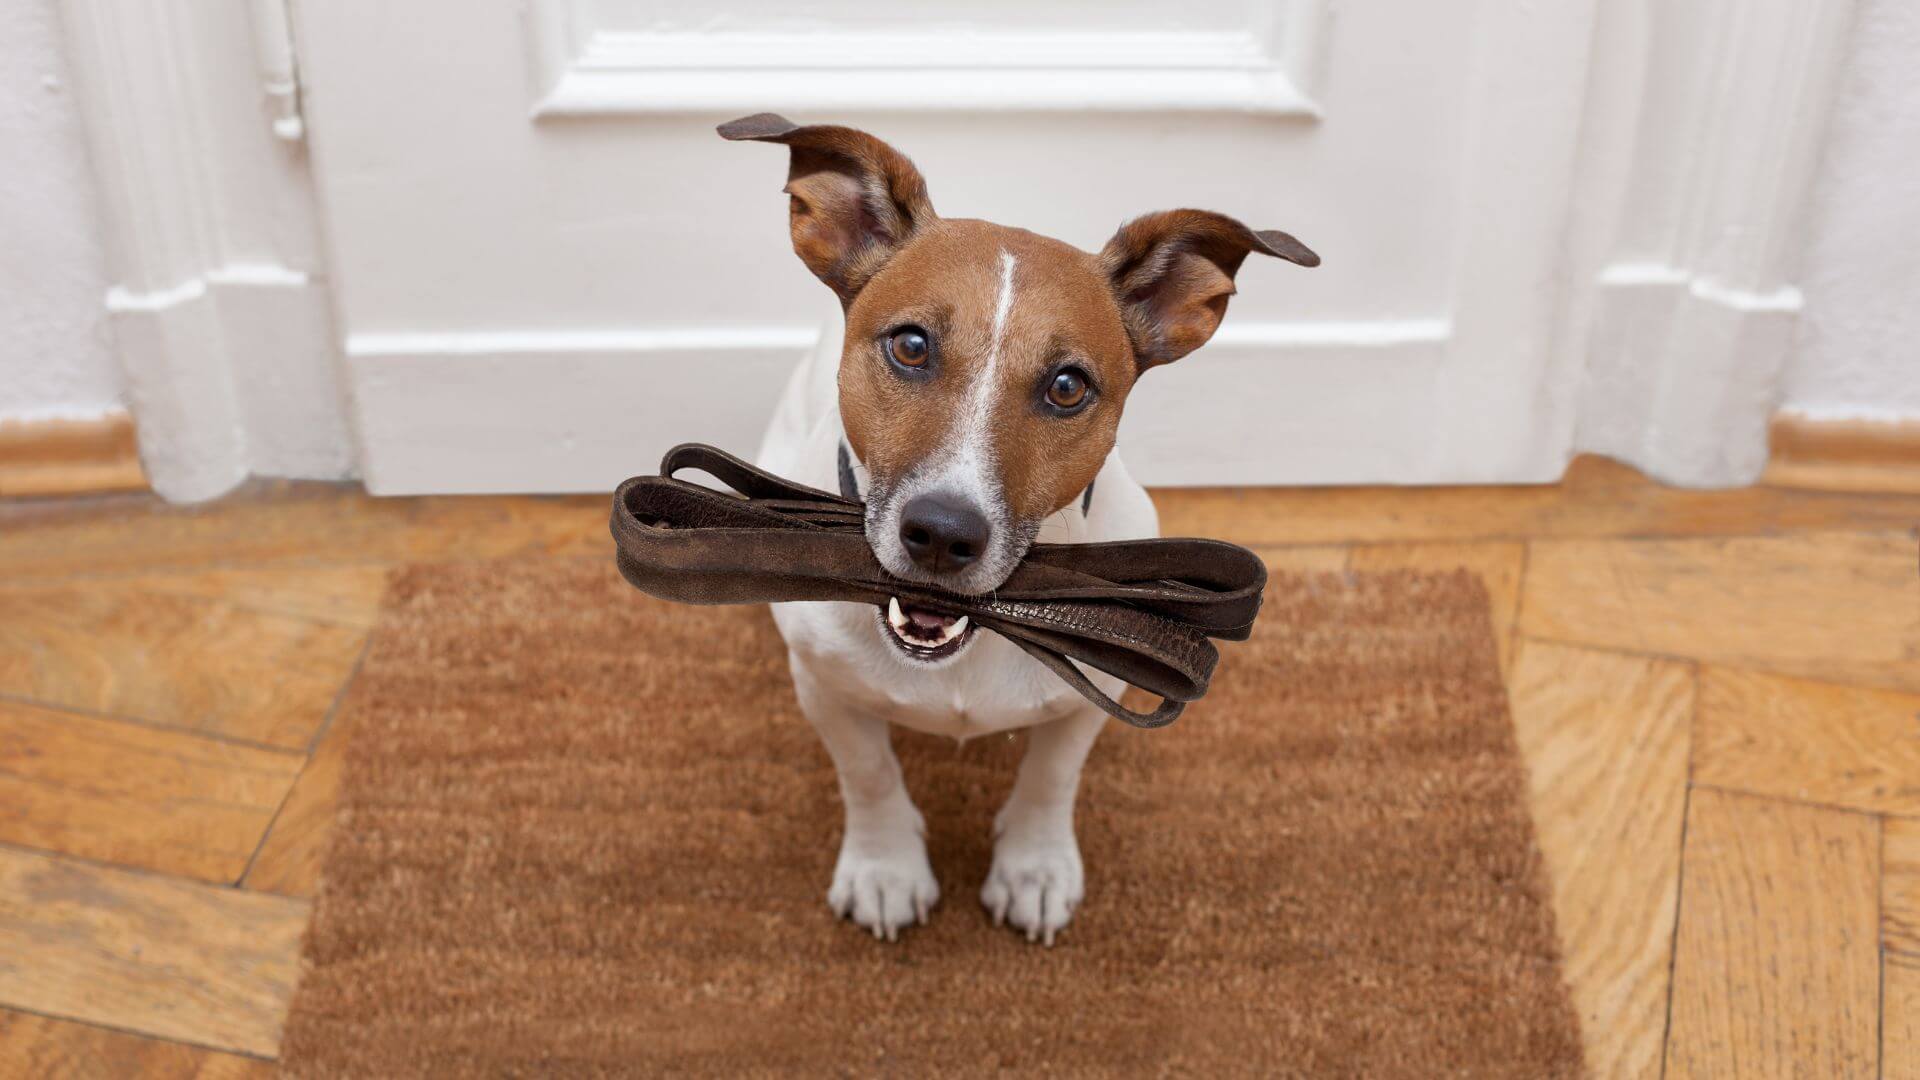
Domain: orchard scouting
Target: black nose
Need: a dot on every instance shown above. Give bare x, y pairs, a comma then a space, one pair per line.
942, 533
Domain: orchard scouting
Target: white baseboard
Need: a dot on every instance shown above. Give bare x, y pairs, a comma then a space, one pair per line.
581, 411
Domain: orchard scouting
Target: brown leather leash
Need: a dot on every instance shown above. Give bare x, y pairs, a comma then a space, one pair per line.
1141, 610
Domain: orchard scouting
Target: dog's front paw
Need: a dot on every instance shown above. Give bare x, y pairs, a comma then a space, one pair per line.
1036, 880
884, 887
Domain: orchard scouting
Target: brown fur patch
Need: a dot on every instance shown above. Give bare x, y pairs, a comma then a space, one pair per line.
946, 281
852, 199
1173, 272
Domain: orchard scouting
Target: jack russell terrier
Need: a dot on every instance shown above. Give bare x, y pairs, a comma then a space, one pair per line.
971, 400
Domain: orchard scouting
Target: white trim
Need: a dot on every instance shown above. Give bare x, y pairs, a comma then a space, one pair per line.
1267, 68
224, 339
1331, 334
119, 299
1241, 334
507, 342
56, 413
1708, 145
588, 408
1784, 298
795, 337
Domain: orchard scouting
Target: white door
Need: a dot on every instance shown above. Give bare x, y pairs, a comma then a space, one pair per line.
547, 268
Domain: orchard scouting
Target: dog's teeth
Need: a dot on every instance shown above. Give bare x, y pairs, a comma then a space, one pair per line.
905, 629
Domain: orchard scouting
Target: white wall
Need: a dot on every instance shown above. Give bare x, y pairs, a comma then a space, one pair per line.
1859, 348
56, 350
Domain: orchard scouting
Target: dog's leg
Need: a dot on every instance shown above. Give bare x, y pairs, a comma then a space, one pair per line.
882, 879
1036, 880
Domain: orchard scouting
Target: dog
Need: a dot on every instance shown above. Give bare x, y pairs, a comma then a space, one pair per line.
970, 396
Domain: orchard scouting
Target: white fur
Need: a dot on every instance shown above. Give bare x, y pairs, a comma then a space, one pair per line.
966, 468
852, 683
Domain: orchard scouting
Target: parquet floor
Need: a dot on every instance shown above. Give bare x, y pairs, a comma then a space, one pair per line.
1718, 694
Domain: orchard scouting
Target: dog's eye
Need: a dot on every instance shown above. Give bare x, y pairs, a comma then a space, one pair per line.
1067, 389
909, 347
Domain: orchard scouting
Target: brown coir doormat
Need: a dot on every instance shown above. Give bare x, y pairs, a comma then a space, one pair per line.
584, 832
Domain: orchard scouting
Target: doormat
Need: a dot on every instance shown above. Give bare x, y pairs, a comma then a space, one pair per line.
583, 832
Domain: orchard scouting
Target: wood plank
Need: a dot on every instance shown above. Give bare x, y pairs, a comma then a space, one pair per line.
1900, 940
40, 1048
1812, 741
1900, 1018
150, 954
289, 859
280, 523
1605, 738
1499, 566
1842, 607
66, 457
199, 663
1844, 455
346, 595
119, 792
1303, 559
1597, 498
1776, 967
1900, 888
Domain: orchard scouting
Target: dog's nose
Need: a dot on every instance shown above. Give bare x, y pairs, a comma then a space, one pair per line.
942, 533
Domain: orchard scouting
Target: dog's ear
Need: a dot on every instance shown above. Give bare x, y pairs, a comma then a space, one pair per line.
854, 200
1173, 272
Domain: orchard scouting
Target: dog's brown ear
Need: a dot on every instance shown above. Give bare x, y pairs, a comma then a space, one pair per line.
1173, 272
854, 199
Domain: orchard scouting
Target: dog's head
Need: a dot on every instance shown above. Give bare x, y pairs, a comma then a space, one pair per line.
985, 367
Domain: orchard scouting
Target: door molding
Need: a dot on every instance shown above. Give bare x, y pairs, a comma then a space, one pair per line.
1703, 137
1268, 67
224, 333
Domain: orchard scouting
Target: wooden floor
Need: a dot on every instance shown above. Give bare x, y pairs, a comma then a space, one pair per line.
1718, 694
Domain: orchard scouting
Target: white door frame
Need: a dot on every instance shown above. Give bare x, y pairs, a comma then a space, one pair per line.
1704, 129
219, 311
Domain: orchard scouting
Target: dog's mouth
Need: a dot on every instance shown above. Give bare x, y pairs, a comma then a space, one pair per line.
926, 634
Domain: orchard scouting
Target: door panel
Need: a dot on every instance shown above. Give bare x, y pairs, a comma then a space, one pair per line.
549, 268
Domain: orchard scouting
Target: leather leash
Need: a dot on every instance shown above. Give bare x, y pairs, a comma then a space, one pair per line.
1141, 610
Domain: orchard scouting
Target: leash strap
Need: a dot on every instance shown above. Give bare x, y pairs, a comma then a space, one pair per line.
1144, 611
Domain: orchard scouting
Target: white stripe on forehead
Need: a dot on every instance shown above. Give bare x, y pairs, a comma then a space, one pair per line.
980, 398
966, 464
1001, 305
